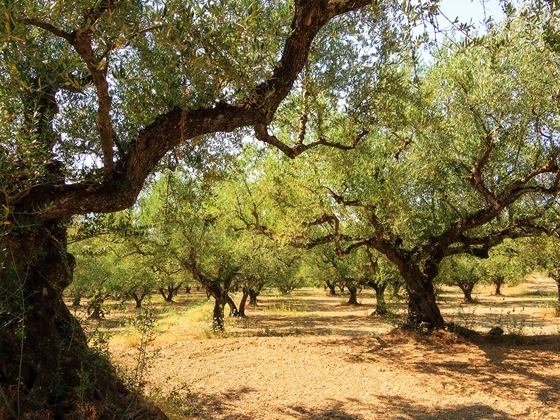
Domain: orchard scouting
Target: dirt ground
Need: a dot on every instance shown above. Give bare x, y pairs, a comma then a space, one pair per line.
312, 357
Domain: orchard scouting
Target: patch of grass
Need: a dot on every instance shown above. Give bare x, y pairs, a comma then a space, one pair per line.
179, 403
286, 307
194, 321
541, 293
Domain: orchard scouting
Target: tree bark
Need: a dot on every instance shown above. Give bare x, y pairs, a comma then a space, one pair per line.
423, 311
253, 294
332, 288
381, 305
218, 315
243, 302
169, 293
558, 306
233, 311
498, 282
353, 298
44, 358
138, 298
467, 289
95, 306
556, 278
76, 300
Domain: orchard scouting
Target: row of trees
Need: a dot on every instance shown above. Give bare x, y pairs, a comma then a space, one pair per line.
190, 230
420, 162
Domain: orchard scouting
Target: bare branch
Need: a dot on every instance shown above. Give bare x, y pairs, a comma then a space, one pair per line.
261, 133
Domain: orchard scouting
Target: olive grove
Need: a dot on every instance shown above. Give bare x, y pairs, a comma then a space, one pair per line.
94, 95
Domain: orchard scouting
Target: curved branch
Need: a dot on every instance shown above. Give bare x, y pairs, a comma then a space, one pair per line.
261, 133
49, 28
123, 183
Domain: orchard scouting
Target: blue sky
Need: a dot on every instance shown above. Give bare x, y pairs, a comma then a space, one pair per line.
471, 11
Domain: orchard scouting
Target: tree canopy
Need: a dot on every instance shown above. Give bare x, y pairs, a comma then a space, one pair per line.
464, 158
416, 161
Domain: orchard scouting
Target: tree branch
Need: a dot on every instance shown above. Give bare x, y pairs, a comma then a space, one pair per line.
49, 28
261, 133
121, 186
81, 40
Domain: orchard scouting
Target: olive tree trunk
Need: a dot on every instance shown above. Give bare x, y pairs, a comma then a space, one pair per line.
498, 282
243, 302
556, 278
381, 305
353, 298
331, 286
466, 288
423, 311
44, 357
138, 298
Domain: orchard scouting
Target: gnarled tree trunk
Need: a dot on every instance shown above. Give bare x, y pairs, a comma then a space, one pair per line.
138, 298
466, 288
218, 315
498, 283
381, 305
353, 298
169, 292
558, 302
243, 302
556, 278
253, 294
44, 358
423, 311
331, 286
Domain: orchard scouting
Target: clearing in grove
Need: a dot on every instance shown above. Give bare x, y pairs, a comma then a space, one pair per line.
310, 356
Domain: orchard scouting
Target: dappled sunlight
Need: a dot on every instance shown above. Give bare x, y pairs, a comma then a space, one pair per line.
310, 356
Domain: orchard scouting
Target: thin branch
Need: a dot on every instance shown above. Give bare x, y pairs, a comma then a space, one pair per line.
372, 216
49, 28
520, 187
261, 133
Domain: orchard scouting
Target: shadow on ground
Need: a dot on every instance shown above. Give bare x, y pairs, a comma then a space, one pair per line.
509, 366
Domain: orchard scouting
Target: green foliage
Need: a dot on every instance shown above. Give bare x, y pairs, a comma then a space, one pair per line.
464, 271
509, 263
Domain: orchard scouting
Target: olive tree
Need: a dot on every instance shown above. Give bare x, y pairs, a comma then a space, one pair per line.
463, 271
545, 251
466, 158
508, 263
94, 94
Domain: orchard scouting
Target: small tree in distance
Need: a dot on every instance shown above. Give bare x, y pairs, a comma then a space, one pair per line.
508, 263
463, 271
548, 259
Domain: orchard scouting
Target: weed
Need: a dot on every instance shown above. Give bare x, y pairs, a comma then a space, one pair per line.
541, 293
85, 385
515, 324
144, 324
179, 403
466, 317
286, 307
